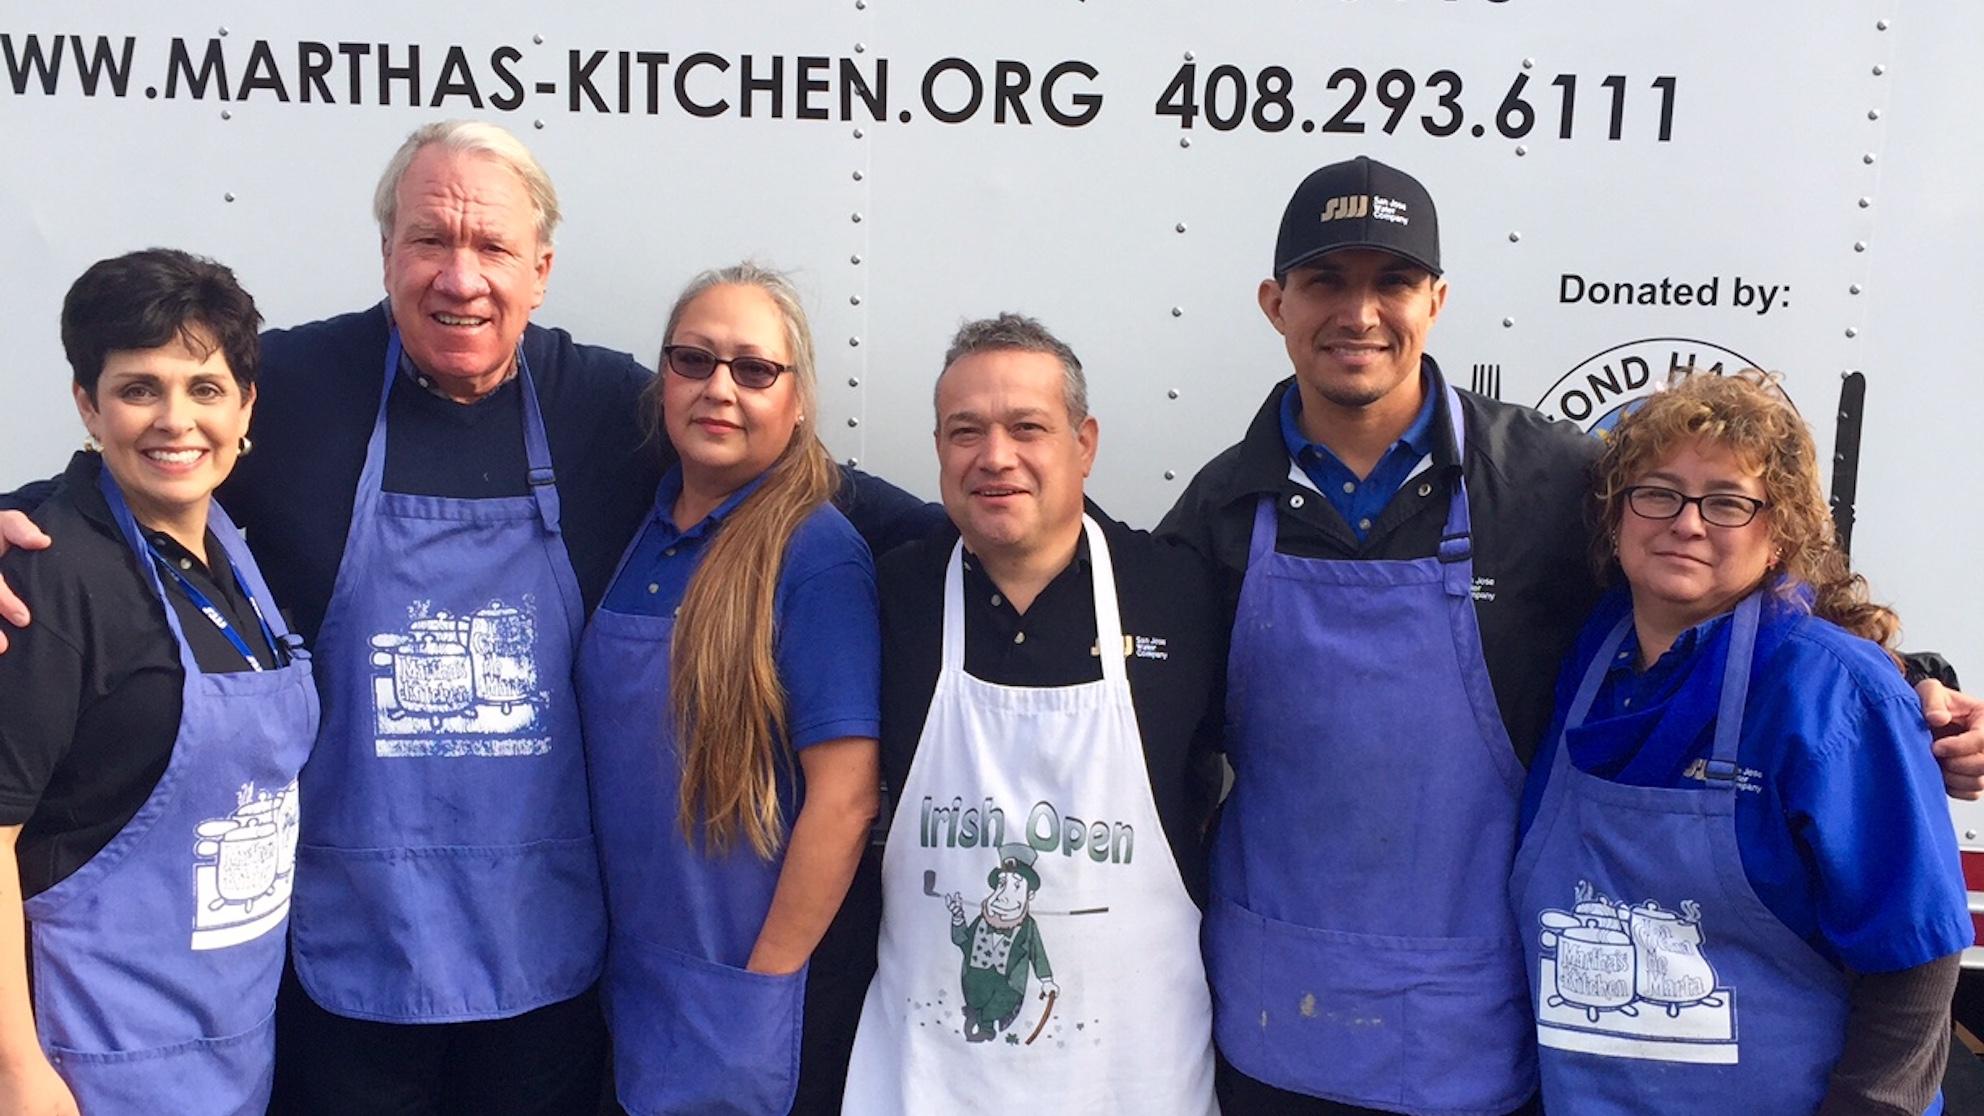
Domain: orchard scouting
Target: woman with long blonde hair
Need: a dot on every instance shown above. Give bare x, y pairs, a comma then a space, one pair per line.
1738, 882
729, 685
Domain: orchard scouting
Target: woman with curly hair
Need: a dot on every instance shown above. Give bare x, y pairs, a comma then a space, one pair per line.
1737, 882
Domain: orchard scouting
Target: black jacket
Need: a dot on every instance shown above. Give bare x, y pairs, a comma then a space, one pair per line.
1526, 482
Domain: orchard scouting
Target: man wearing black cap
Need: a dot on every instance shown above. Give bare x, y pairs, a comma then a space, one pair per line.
1406, 566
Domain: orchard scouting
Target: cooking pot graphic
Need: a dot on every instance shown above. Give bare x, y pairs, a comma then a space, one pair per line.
432, 675
1595, 968
502, 644
1670, 969
245, 853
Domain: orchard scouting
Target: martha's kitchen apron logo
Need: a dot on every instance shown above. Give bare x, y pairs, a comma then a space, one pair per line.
1601, 389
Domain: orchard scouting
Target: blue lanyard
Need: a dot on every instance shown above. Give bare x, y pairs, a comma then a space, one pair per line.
206, 606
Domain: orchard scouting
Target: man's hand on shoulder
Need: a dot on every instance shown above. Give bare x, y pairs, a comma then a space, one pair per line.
16, 530
1956, 720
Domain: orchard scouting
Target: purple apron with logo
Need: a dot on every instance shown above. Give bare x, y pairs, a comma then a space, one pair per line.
449, 871
1661, 982
1359, 940
156, 963
694, 1032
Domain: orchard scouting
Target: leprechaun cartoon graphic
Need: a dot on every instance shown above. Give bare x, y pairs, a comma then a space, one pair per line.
1000, 946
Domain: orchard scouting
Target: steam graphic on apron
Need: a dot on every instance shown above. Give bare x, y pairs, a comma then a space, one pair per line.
1631, 981
460, 684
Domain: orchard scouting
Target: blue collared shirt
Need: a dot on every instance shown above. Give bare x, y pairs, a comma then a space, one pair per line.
1359, 500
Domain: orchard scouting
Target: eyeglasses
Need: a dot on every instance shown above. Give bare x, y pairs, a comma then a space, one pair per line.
692, 362
1719, 509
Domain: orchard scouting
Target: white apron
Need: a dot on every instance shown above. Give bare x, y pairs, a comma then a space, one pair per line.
1038, 946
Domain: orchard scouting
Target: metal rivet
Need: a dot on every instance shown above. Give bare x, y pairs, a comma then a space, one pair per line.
226, 114
1515, 238
860, 5
1868, 158
1521, 149
1425, 489
538, 124
223, 32
538, 39
1865, 202
861, 48
854, 342
854, 217
1852, 332
1296, 500
1880, 25
1188, 56
1873, 114
1181, 226
1529, 63
1508, 323
229, 196
1170, 474
1859, 246
854, 422
1879, 70
853, 461
854, 300
858, 133
1970, 835
1172, 394
1854, 289
1177, 311
857, 176
855, 259
1184, 141
854, 381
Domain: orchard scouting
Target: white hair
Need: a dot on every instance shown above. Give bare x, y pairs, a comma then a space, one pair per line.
473, 137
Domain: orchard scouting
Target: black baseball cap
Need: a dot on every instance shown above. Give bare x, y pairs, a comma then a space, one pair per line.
1359, 203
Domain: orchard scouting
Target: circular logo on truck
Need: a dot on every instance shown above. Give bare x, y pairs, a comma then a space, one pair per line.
1605, 386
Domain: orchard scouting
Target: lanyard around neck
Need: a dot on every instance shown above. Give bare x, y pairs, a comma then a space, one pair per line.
206, 606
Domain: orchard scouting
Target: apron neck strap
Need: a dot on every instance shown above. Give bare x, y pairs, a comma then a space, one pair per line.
537, 446
1735, 685
1108, 618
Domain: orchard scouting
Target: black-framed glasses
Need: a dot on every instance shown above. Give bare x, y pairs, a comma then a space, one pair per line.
693, 362
1719, 509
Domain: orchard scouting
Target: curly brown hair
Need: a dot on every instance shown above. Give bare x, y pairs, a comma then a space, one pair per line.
1747, 414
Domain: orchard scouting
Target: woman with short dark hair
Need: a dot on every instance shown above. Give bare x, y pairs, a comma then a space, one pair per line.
156, 715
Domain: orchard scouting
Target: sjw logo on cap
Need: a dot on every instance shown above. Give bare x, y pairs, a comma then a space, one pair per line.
1347, 207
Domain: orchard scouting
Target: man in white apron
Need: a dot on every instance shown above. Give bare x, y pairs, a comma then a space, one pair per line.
1050, 685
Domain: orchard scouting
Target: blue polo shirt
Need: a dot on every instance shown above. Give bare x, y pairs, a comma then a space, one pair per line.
1840, 816
1360, 500
829, 644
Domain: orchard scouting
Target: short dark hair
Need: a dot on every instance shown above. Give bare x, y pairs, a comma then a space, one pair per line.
148, 299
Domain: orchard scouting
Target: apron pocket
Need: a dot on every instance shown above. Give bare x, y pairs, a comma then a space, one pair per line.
226, 1076
1376, 1020
447, 934
695, 1038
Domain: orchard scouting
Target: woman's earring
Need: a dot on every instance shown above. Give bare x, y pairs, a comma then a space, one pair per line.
247, 446
91, 445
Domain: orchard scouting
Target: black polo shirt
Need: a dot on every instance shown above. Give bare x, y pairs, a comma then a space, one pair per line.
1169, 603
92, 689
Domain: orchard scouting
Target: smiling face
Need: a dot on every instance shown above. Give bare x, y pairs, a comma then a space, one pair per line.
1682, 570
464, 268
1012, 460
170, 420
1355, 325
725, 434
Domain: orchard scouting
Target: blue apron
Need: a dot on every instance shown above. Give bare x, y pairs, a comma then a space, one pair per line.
156, 963
1660, 980
1359, 941
694, 1032
448, 856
